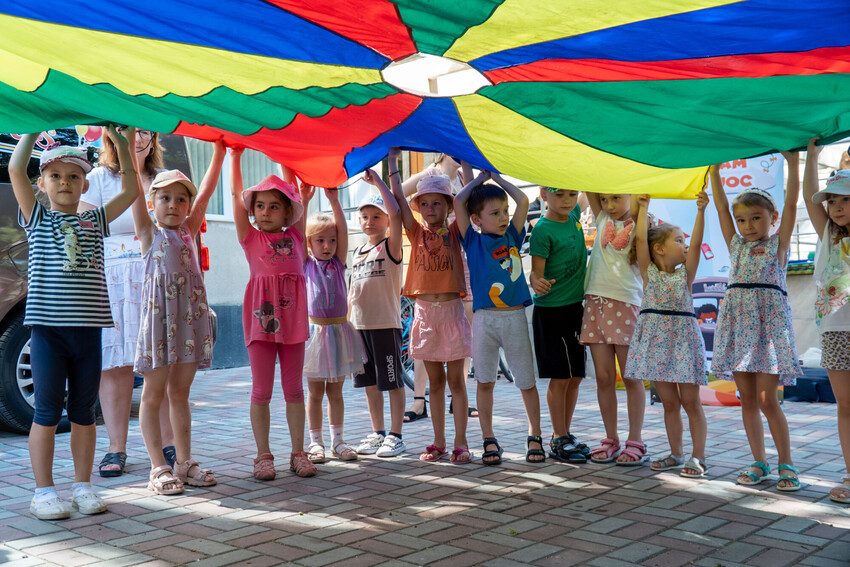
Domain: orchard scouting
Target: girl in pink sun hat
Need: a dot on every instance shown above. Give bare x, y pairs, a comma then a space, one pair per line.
274, 311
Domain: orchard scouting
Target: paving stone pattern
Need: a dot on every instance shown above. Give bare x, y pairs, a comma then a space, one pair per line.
404, 512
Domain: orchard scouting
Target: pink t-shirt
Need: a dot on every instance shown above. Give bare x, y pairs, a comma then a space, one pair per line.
275, 304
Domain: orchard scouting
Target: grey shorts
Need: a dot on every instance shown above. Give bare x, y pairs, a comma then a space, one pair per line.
491, 329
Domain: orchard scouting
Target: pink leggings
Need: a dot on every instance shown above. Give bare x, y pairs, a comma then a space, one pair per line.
262, 354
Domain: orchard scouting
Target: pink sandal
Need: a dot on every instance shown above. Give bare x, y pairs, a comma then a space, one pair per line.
264, 467
609, 447
461, 456
432, 454
191, 473
300, 464
636, 451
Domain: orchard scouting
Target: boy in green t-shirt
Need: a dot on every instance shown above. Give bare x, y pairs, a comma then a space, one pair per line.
558, 266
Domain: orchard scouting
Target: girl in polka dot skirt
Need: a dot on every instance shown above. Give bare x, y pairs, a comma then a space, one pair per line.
613, 292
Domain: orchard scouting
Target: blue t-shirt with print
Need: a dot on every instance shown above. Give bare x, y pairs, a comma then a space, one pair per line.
495, 269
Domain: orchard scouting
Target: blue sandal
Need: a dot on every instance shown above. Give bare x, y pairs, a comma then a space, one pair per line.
753, 478
795, 482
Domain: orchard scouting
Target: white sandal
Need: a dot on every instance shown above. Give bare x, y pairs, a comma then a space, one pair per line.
316, 453
694, 464
344, 452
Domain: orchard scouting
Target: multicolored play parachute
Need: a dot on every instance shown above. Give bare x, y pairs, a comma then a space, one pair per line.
606, 95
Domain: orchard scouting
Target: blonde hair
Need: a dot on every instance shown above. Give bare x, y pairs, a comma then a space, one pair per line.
153, 162
319, 222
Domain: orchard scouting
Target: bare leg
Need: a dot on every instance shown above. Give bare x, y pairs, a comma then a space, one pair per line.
152, 394
116, 395
180, 378
484, 399
606, 376
689, 394
669, 393
531, 401
457, 384
556, 399
336, 405
295, 422
840, 381
165, 421
375, 401
396, 409
83, 440
635, 397
747, 387
437, 382
260, 424
768, 385
315, 395
42, 441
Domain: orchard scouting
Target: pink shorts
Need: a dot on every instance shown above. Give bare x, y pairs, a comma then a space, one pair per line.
440, 331
607, 321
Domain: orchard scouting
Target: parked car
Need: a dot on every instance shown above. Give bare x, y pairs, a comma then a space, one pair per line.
17, 400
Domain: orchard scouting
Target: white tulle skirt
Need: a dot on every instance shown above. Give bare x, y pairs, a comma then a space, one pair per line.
333, 352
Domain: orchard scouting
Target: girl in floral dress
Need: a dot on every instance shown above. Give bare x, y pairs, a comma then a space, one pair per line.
667, 345
754, 340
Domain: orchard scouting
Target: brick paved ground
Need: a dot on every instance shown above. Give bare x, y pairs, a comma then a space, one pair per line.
404, 512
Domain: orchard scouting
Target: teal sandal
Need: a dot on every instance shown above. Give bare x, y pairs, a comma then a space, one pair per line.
794, 480
751, 477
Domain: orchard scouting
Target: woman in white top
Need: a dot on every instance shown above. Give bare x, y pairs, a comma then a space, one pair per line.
451, 168
124, 275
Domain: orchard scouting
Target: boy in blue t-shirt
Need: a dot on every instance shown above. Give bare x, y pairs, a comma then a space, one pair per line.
67, 308
558, 266
499, 298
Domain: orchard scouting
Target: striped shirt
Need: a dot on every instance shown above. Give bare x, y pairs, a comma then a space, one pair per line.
67, 286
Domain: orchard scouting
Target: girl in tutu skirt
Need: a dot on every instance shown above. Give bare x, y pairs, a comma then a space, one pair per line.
335, 349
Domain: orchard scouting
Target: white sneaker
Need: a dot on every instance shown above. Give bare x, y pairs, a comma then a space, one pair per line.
391, 447
370, 444
50, 509
88, 502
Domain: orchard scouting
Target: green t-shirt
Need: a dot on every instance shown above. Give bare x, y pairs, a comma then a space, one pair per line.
562, 245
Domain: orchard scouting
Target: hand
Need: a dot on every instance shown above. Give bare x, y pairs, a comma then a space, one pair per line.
541, 286
702, 200
236, 152
812, 148
370, 177
643, 201
393, 155
122, 138
306, 190
484, 175
791, 156
332, 194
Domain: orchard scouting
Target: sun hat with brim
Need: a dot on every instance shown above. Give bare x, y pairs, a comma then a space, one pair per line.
838, 184
373, 201
67, 154
287, 189
168, 177
433, 185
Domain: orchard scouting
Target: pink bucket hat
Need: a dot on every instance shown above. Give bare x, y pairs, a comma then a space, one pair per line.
438, 184
67, 154
289, 190
838, 184
164, 178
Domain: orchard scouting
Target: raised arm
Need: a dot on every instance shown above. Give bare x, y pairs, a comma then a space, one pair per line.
521, 199
21, 185
641, 241
695, 249
461, 212
141, 217
240, 213
399, 194
817, 212
789, 208
721, 203
207, 188
594, 202
394, 239
130, 183
306, 191
341, 224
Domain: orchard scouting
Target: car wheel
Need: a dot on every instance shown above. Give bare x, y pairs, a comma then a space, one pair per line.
17, 398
